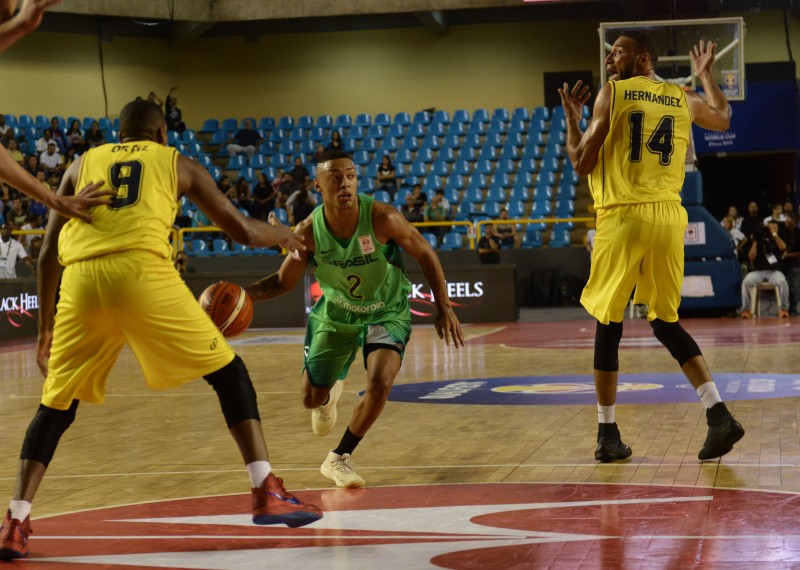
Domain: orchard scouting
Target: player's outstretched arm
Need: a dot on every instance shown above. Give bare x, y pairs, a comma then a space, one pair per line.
70, 206
583, 147
390, 224
291, 271
713, 113
197, 184
50, 271
25, 21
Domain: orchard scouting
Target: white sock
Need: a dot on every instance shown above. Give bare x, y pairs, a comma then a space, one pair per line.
709, 394
20, 510
605, 414
258, 471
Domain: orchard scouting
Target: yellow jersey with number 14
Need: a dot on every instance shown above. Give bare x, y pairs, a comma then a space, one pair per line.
144, 176
643, 157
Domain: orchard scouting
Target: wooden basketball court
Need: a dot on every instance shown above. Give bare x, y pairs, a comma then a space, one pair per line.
150, 447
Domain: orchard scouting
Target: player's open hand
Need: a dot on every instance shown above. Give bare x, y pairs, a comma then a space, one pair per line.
574, 99
703, 56
291, 242
43, 344
75, 206
31, 12
449, 328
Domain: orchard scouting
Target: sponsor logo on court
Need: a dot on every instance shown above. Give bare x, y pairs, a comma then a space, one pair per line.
579, 389
441, 526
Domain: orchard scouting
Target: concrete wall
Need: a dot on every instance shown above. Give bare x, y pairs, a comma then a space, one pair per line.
331, 73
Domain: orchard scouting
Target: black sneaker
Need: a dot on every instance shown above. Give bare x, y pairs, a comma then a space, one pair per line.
609, 444
723, 432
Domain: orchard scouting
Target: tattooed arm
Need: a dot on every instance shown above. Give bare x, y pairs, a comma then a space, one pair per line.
290, 272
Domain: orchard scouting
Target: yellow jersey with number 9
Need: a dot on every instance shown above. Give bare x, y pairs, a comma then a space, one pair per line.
144, 176
644, 154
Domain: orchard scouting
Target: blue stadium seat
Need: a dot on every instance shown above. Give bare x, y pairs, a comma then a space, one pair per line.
569, 176
266, 148
220, 247
455, 182
350, 144
496, 194
542, 192
307, 147
376, 131
279, 160
361, 157
461, 116
517, 127
500, 113
231, 125
382, 119
210, 126
473, 195
425, 155
550, 164
324, 121
287, 147
484, 166
318, 135
559, 237
282, 215
258, 162
215, 172
430, 238
370, 144
527, 165
416, 130
497, 126
11, 120
488, 153
451, 141
452, 241
356, 132
494, 140
305, 122
478, 181
403, 156
510, 152
266, 123
447, 155
371, 171
199, 248
565, 207
506, 166
440, 167
286, 123
297, 135
541, 208
395, 130
441, 116
520, 192
566, 190
457, 129
418, 168
467, 209
431, 184
363, 120
431, 141
516, 209
402, 118
480, 115
389, 145
236, 162
27, 121
437, 129
277, 136
500, 179
422, 117
382, 196
537, 127
173, 138
476, 127
532, 237
468, 153
451, 194
492, 208
521, 113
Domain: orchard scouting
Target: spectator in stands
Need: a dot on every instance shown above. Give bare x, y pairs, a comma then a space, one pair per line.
173, 113
75, 137
435, 212
300, 173
733, 214
411, 211
95, 136
489, 246
226, 187
387, 176
35, 249
420, 198
740, 242
590, 242
43, 141
791, 261
200, 220
336, 141
777, 215
300, 205
17, 215
14, 151
244, 141
765, 254
263, 197
318, 154
286, 189
507, 233
278, 180
69, 158
182, 263
32, 164
34, 222
10, 251
153, 98
242, 193
58, 135
50, 160
42, 178
752, 221
445, 204
6, 132
788, 207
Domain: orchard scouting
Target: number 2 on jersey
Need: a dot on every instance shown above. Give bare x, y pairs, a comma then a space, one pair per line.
125, 178
355, 281
660, 142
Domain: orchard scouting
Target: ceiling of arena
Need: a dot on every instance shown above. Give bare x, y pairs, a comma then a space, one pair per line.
181, 21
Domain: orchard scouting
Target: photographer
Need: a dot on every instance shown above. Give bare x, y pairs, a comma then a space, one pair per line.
766, 252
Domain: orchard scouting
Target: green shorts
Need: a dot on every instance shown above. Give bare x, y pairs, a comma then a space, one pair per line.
331, 346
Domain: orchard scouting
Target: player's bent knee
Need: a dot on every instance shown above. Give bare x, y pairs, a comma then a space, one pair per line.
44, 432
606, 346
235, 391
678, 342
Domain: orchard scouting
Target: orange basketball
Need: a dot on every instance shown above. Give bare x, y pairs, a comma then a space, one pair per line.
229, 306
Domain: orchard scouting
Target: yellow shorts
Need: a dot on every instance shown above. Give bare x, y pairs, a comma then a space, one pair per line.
641, 246
133, 297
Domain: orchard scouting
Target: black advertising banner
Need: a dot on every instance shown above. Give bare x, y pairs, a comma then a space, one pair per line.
19, 308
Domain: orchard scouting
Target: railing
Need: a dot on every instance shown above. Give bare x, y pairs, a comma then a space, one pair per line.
526, 221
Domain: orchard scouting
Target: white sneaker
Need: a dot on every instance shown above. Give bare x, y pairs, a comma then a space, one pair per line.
340, 470
324, 418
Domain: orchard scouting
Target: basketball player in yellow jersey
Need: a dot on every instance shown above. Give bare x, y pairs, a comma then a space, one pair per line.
634, 152
120, 287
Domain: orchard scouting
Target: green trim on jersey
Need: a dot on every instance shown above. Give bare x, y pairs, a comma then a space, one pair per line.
362, 282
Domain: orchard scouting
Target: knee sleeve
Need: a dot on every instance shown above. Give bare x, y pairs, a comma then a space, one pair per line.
235, 391
45, 431
680, 344
606, 346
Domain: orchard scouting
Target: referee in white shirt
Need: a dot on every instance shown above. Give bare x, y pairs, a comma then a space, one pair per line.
10, 251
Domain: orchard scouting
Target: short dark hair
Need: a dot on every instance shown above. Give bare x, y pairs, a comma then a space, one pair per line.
333, 155
644, 43
140, 118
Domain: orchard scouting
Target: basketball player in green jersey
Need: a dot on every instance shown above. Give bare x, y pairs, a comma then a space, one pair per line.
119, 287
634, 153
354, 246
12, 28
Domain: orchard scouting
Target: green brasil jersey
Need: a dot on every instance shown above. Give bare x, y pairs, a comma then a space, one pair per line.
362, 280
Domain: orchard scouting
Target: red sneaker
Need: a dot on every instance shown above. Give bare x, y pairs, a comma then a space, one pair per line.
273, 505
14, 537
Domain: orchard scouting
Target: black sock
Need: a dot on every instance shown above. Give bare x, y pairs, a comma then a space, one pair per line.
348, 443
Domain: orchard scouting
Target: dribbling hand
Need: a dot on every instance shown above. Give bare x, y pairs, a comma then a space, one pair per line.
448, 327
